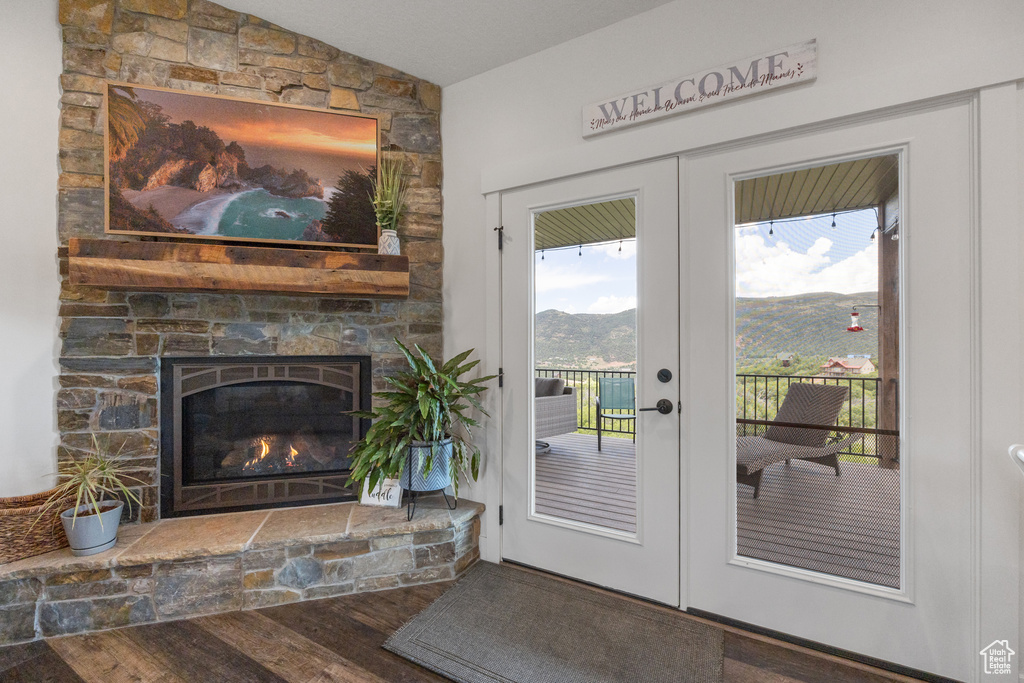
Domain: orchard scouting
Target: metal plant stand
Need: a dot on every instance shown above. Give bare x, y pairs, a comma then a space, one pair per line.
410, 505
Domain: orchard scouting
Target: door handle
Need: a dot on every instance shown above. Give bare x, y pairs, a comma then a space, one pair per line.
1017, 454
664, 407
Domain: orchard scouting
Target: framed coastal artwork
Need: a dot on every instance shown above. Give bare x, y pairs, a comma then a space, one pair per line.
220, 168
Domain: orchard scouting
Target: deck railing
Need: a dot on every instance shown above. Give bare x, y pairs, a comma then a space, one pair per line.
758, 397
585, 383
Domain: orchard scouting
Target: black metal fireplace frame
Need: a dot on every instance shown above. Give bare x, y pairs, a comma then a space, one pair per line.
331, 484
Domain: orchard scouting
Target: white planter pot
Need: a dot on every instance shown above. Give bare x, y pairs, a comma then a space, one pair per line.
91, 534
388, 243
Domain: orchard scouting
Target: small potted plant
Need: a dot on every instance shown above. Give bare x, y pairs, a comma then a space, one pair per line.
91, 525
421, 434
388, 198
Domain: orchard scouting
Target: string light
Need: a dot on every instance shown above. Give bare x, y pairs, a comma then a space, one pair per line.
833, 221
620, 245
801, 219
541, 254
578, 246
581, 251
771, 228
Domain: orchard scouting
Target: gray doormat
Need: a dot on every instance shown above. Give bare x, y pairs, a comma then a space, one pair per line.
499, 623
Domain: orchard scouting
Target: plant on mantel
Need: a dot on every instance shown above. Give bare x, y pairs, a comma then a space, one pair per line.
389, 193
426, 419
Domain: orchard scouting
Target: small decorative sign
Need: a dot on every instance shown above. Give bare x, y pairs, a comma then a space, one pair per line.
776, 69
388, 494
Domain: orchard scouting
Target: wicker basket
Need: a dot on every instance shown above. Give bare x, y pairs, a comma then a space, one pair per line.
21, 536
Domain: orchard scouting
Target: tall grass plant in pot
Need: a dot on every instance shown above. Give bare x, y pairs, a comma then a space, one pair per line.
96, 483
388, 198
422, 431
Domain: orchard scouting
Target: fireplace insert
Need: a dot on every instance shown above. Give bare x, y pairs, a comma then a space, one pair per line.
242, 433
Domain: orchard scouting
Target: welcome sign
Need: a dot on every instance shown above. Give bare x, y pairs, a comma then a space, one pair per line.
776, 69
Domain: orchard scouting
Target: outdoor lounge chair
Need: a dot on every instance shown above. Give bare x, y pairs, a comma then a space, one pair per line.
555, 410
808, 404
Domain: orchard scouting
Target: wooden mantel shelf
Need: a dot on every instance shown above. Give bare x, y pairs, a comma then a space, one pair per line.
186, 267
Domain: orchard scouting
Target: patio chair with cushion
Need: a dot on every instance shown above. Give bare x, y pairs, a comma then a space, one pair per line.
615, 395
806, 404
555, 409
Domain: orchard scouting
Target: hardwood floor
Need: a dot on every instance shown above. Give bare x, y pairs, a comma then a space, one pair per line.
337, 639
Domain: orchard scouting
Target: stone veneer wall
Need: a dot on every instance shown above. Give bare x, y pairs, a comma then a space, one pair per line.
111, 341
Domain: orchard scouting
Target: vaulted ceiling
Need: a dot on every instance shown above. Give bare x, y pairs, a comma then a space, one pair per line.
443, 41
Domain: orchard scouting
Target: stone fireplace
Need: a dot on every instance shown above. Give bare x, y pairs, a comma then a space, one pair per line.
114, 344
241, 433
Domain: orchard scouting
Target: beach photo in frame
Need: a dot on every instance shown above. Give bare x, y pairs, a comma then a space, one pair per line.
211, 167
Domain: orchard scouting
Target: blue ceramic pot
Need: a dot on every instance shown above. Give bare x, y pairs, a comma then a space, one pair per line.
440, 475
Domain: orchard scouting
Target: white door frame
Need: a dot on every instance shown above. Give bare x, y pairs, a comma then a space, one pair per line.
999, 334
998, 489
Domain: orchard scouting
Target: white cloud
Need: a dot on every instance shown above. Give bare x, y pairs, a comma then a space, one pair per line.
628, 250
550, 278
776, 269
612, 304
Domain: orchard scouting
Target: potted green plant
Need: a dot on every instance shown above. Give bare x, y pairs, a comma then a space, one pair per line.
91, 525
388, 198
421, 432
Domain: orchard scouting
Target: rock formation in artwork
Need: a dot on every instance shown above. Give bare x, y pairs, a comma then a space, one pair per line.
314, 232
153, 153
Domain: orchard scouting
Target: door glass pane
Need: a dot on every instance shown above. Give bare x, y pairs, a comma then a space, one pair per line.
817, 370
585, 353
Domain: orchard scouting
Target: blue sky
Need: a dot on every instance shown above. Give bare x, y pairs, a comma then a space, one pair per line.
602, 280
806, 255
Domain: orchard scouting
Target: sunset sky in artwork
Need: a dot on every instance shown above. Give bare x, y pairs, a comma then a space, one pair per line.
321, 142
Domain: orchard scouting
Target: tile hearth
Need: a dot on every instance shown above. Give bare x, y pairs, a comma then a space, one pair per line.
184, 567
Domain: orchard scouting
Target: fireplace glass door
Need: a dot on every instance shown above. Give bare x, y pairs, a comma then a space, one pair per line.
244, 433
273, 428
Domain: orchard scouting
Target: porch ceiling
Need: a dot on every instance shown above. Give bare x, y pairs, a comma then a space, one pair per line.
837, 187
846, 186
587, 224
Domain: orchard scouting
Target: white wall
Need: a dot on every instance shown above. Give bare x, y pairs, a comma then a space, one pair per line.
30, 50
520, 123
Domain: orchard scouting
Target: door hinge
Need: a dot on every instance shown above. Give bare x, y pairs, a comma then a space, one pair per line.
501, 515
679, 407
501, 377
501, 237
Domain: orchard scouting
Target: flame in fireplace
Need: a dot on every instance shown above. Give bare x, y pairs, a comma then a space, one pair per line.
289, 460
256, 460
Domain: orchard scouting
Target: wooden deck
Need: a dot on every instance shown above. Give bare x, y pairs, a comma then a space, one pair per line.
578, 483
804, 517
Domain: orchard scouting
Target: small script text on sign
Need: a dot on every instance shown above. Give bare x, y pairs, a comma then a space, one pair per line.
788, 66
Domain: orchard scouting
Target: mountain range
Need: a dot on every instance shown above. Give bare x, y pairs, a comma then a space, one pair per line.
809, 325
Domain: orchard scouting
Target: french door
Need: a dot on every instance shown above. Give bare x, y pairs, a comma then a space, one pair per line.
590, 313
898, 588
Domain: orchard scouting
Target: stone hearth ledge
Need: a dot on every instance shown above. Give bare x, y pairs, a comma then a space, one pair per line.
184, 567
192, 538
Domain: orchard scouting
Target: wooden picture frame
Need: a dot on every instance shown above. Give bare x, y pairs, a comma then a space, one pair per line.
211, 167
